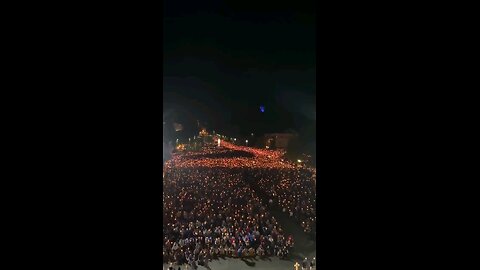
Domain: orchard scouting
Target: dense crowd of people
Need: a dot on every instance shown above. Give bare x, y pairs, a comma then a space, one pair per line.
212, 213
219, 207
293, 191
258, 158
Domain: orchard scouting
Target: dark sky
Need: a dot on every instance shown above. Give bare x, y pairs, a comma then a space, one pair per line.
223, 60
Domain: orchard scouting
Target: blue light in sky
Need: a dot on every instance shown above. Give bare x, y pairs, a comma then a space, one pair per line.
262, 108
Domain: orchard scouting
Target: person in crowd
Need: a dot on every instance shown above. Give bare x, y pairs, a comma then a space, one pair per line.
312, 264
304, 264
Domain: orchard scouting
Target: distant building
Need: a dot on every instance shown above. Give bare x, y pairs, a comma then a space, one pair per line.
278, 140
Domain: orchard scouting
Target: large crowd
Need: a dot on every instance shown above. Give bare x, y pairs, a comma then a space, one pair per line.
293, 191
214, 207
210, 213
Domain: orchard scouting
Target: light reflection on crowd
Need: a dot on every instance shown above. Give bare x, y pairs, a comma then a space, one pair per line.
219, 206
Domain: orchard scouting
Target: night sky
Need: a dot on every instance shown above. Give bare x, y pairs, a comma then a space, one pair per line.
223, 60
